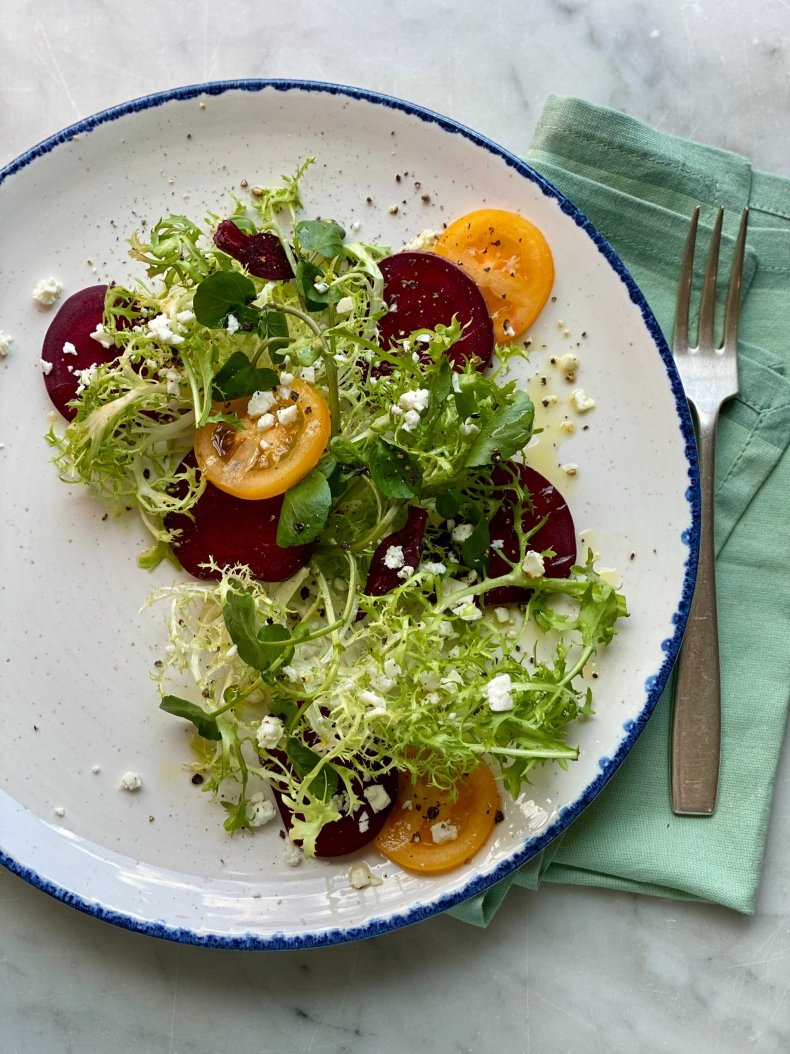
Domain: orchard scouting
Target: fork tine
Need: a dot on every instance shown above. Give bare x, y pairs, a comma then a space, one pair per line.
681, 337
734, 294
707, 307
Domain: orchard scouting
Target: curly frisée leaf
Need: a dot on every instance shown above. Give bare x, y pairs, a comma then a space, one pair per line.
305, 510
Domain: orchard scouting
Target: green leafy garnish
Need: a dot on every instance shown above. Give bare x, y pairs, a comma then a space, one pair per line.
258, 646
322, 237
304, 761
238, 377
305, 510
205, 724
395, 472
221, 294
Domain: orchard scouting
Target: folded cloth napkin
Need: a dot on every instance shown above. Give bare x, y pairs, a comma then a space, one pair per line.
639, 187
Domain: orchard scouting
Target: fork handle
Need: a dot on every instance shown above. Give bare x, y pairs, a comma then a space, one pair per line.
696, 726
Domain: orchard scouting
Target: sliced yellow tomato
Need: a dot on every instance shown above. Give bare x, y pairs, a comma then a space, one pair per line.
429, 831
509, 260
254, 463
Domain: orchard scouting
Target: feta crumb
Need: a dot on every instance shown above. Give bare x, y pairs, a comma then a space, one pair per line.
59, 810
69, 349
283, 392
582, 402
265, 422
377, 797
232, 651
499, 693
567, 426
502, 614
569, 364
497, 543
371, 699
406, 571
533, 566
161, 328
570, 469
130, 781
286, 415
46, 367
260, 403
468, 612
434, 567
308, 374
393, 307
462, 532
344, 306
423, 241
270, 732
173, 378
6, 340
415, 400
319, 286
396, 411
185, 316
424, 338
391, 668
355, 225
292, 854
443, 832
360, 876
47, 291
101, 335
469, 428
286, 379
232, 325
508, 330
95, 770
364, 823
260, 810
394, 558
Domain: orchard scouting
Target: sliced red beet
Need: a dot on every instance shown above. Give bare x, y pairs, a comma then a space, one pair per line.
558, 533
381, 579
76, 319
345, 836
233, 531
261, 253
425, 290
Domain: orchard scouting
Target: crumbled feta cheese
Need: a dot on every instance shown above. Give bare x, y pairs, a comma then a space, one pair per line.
260, 811
104, 338
497, 543
270, 732
569, 364
359, 875
173, 378
462, 532
570, 468
319, 286
567, 426
443, 832
468, 428
355, 225
95, 770
499, 693
130, 781
185, 316
410, 420
86, 377
423, 241
283, 392
47, 291
286, 379
377, 797
434, 567
502, 614
59, 810
415, 400
406, 571
533, 566
265, 422
508, 330
582, 402
345, 305
46, 367
468, 612
393, 307
6, 340
232, 324
424, 338
396, 411
286, 415
232, 651
363, 823
292, 854
308, 374
371, 699
394, 558
260, 403
391, 668
69, 349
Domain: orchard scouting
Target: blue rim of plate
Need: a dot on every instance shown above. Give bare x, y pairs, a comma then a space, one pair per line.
654, 685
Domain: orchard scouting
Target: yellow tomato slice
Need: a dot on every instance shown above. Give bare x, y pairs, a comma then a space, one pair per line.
509, 260
252, 463
429, 831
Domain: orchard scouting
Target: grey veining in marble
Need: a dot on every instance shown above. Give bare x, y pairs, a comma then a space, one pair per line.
561, 971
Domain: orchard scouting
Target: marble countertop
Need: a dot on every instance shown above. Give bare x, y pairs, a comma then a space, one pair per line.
563, 970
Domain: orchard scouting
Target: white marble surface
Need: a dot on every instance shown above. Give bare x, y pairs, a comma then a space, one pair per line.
564, 970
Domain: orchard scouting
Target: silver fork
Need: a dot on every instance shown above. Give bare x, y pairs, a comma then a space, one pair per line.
710, 377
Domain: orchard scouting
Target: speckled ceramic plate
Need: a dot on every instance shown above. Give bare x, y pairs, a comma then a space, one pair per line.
76, 693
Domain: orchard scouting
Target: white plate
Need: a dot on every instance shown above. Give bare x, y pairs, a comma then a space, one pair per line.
75, 674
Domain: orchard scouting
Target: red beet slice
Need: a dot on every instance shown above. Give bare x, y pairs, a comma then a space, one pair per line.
558, 533
261, 253
77, 318
381, 579
233, 531
344, 836
424, 290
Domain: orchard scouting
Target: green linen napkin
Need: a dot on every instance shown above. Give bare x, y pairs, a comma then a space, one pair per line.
638, 187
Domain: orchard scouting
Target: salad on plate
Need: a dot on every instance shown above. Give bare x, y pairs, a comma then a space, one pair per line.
384, 624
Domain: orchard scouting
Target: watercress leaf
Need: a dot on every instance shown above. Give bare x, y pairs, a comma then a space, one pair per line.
238, 377
396, 473
474, 549
306, 274
272, 633
324, 237
273, 325
305, 510
345, 451
505, 432
304, 760
205, 724
221, 294
448, 503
